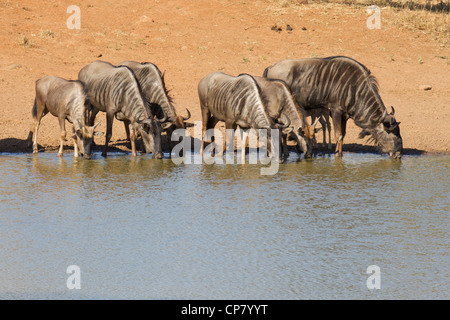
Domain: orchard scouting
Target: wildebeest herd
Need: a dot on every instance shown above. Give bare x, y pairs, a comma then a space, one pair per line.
289, 92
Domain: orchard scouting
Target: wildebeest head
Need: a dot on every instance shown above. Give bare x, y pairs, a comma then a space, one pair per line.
285, 128
150, 131
84, 137
298, 136
387, 135
308, 132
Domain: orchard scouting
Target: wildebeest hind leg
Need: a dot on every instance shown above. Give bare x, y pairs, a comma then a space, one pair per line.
205, 118
75, 144
338, 133
39, 111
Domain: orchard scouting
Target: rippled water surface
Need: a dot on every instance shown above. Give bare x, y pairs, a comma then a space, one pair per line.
149, 229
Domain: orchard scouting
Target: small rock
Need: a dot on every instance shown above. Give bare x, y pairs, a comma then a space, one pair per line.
304, 28
276, 28
425, 87
289, 28
17, 66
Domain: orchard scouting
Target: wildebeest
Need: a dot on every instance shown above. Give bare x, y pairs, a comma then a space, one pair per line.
64, 99
157, 96
236, 101
348, 90
116, 91
281, 106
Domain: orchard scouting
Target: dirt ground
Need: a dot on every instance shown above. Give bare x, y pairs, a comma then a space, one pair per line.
190, 39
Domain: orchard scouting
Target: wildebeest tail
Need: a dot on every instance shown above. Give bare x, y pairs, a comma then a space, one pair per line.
34, 110
265, 72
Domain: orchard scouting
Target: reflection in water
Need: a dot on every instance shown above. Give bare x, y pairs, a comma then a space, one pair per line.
145, 228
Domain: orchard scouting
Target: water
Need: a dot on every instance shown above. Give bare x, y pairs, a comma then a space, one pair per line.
149, 229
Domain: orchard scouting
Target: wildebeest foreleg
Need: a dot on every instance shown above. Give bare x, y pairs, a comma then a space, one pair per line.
127, 129
132, 139
75, 144
109, 124
205, 118
328, 127
62, 137
284, 138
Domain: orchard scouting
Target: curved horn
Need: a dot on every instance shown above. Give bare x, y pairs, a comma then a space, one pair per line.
188, 115
315, 122
393, 110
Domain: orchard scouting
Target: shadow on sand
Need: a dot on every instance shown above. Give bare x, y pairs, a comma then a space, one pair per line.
14, 145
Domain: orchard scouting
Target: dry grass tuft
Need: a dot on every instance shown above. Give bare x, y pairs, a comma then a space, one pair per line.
47, 34
24, 41
429, 16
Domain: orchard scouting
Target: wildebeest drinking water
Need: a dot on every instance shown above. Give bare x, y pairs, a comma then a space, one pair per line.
236, 101
348, 90
157, 96
116, 91
281, 106
64, 99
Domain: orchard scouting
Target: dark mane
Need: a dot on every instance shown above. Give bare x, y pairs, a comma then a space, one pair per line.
370, 78
166, 91
169, 97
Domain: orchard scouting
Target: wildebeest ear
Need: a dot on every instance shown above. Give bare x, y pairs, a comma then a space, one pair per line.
317, 129
98, 133
166, 125
189, 124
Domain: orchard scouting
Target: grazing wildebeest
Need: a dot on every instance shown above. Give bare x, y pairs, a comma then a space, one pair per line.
157, 96
116, 91
281, 105
348, 90
236, 101
64, 99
